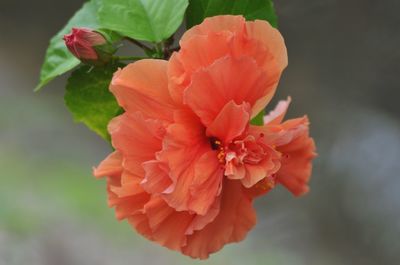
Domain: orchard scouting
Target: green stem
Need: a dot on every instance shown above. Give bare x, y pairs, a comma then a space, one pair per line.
125, 58
139, 44
160, 50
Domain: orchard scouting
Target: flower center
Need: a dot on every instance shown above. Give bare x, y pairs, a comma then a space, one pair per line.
216, 144
245, 151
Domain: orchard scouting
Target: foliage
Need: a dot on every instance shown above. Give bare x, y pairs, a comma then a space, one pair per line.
153, 21
250, 9
88, 98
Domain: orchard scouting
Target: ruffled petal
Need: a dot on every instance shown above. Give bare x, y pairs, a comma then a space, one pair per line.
157, 178
137, 139
127, 198
254, 173
240, 80
167, 226
206, 183
177, 77
200, 221
143, 86
196, 53
272, 40
297, 148
261, 188
298, 154
216, 24
276, 116
235, 219
128, 206
250, 159
110, 166
230, 122
194, 169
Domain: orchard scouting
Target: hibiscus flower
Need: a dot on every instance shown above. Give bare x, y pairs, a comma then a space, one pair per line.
187, 163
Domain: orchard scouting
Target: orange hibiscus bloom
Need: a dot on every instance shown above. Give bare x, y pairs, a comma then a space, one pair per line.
187, 163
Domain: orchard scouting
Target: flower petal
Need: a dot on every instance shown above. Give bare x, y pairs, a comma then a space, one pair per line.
162, 224
143, 86
206, 183
194, 169
267, 167
216, 24
137, 139
110, 166
266, 46
156, 179
230, 122
260, 188
276, 116
127, 198
235, 219
200, 221
272, 39
196, 53
167, 225
240, 80
298, 153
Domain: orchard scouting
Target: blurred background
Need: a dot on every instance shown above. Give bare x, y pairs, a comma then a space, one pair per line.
343, 72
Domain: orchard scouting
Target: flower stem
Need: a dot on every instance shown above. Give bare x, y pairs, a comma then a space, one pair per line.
139, 44
127, 58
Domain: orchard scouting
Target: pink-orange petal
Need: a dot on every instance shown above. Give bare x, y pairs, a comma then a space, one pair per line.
206, 184
184, 149
276, 116
254, 173
296, 168
157, 178
198, 52
137, 139
127, 199
159, 222
167, 226
110, 166
235, 219
177, 77
230, 122
272, 39
216, 24
143, 86
240, 80
200, 221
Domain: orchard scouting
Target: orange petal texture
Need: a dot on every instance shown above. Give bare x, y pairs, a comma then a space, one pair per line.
187, 164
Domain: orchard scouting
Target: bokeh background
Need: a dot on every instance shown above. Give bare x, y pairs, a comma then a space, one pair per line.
343, 72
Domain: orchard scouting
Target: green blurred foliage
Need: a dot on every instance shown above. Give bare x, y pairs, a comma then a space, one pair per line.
250, 9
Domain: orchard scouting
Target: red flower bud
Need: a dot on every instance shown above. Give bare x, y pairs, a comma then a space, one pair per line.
88, 45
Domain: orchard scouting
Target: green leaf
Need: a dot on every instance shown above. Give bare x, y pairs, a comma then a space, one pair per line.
259, 119
148, 20
58, 59
198, 10
89, 99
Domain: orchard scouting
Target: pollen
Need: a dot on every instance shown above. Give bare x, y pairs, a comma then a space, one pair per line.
221, 155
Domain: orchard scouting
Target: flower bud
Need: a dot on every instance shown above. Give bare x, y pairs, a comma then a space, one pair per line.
89, 46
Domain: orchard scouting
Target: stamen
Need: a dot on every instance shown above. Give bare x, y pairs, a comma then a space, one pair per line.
216, 144
221, 155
